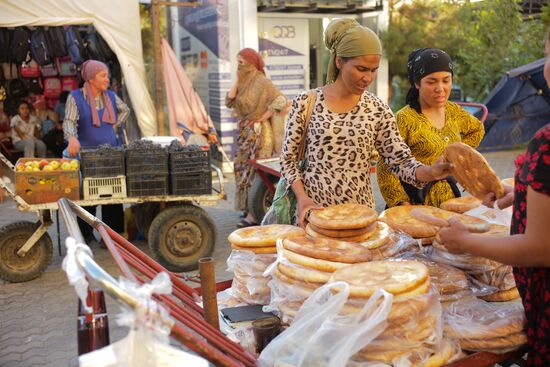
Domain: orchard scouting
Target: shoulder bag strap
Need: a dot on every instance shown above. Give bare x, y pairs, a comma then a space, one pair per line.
311, 99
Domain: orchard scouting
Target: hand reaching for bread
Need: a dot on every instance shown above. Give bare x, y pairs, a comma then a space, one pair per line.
490, 199
441, 169
451, 236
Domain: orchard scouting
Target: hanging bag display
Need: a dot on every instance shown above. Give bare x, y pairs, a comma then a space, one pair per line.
65, 66
40, 46
29, 70
284, 200
48, 70
52, 88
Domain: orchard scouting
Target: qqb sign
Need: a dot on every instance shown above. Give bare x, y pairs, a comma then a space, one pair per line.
283, 31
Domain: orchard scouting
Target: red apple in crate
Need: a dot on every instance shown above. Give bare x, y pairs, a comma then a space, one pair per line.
42, 164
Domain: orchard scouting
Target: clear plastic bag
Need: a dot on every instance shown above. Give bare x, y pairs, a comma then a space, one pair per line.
398, 244
485, 326
322, 336
413, 334
138, 350
492, 215
250, 285
147, 343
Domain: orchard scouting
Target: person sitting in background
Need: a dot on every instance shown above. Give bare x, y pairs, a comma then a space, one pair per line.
5, 128
428, 124
60, 105
26, 132
52, 130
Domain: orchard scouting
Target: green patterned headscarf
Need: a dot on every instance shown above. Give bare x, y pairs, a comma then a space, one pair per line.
347, 38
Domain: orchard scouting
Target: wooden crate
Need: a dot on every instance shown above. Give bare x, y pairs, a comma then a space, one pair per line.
38, 187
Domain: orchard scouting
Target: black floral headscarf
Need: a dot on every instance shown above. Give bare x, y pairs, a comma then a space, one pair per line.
422, 62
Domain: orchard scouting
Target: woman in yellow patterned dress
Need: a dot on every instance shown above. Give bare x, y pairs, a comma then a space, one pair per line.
427, 124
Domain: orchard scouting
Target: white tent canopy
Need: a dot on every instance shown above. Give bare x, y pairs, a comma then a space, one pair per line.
117, 21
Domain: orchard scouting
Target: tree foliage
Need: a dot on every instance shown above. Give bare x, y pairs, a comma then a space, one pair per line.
484, 39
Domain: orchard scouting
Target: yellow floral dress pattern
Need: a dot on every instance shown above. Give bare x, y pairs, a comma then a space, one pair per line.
427, 144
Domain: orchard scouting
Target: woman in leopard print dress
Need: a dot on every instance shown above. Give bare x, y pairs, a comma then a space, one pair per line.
347, 124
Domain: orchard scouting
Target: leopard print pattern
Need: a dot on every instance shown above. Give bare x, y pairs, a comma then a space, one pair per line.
339, 148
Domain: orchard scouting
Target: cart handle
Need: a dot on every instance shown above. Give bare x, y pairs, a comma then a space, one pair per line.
483, 108
220, 178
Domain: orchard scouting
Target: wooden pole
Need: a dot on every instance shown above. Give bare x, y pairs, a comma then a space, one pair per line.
157, 60
208, 291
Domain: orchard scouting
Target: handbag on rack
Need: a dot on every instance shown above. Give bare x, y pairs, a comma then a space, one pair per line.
284, 201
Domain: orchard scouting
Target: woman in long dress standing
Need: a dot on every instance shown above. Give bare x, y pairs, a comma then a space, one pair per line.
254, 100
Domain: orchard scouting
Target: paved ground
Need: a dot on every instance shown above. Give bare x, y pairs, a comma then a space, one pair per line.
38, 318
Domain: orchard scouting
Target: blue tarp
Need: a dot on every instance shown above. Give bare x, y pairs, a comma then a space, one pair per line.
518, 106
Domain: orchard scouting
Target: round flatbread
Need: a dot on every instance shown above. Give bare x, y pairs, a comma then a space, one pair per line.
442, 355
461, 204
309, 262
439, 217
446, 278
472, 171
327, 249
394, 276
350, 235
508, 341
476, 319
256, 250
399, 218
343, 216
263, 236
502, 296
379, 238
298, 283
408, 334
303, 274
403, 309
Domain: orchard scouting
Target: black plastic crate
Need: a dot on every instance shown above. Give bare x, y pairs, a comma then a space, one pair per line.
151, 161
102, 162
147, 185
191, 184
196, 161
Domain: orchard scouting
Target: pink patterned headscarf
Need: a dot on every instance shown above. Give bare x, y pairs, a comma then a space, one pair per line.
89, 70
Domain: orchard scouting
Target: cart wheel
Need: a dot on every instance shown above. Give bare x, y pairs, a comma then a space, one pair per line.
15, 268
179, 236
144, 215
260, 198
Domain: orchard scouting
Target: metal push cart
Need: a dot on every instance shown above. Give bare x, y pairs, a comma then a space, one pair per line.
178, 230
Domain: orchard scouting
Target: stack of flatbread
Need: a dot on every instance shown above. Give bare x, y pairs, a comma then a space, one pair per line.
415, 315
485, 326
423, 222
253, 251
305, 264
452, 283
338, 222
348, 222
497, 278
